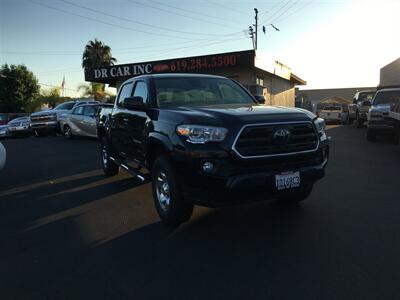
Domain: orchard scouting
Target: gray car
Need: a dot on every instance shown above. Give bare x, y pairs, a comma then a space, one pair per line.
81, 121
20, 127
47, 121
4, 131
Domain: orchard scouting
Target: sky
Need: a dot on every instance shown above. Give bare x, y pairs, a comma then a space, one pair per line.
330, 44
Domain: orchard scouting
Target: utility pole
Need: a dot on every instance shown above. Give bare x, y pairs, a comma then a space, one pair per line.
256, 27
251, 33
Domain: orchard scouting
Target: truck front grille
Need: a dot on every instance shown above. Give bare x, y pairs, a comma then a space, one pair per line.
259, 140
44, 118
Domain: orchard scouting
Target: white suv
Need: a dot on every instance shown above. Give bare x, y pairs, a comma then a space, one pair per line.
379, 122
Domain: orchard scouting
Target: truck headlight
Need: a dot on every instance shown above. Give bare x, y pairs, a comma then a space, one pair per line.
197, 134
320, 125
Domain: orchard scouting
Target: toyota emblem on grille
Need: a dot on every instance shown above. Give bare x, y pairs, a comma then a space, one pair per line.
281, 136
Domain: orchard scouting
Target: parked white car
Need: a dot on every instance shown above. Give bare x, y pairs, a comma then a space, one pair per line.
2, 156
333, 114
379, 123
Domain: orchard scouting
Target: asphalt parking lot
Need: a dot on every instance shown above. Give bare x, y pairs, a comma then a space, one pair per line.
69, 232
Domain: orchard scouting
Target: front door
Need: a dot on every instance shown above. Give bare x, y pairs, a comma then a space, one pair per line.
89, 121
75, 120
137, 124
119, 121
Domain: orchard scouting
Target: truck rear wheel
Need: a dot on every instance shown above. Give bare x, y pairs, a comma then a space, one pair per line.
110, 168
360, 122
38, 133
171, 206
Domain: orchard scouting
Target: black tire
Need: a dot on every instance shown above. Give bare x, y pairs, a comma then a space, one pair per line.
396, 138
360, 122
171, 206
67, 132
110, 168
296, 196
371, 137
38, 133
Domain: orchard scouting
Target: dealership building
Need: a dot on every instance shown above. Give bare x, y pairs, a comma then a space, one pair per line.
256, 72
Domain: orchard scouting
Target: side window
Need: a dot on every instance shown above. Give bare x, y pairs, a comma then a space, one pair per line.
78, 110
126, 91
89, 111
141, 91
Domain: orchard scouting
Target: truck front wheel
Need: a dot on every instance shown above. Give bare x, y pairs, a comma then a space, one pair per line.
171, 206
110, 168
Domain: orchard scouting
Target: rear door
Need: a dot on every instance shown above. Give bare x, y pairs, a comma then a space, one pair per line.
119, 121
89, 121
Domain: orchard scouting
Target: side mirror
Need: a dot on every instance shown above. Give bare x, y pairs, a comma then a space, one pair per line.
133, 103
260, 99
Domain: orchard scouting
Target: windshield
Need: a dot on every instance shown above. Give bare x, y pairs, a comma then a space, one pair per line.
366, 96
173, 92
66, 105
388, 97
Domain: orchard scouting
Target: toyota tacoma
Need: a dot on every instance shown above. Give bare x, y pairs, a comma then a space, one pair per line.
202, 139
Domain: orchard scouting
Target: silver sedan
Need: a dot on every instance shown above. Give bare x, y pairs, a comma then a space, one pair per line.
81, 121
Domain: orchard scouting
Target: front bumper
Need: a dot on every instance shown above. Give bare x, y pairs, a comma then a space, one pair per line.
45, 126
241, 181
19, 130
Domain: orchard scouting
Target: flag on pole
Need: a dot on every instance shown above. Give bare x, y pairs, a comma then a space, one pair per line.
63, 85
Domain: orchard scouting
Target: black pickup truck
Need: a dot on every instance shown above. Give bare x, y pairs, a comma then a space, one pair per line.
202, 139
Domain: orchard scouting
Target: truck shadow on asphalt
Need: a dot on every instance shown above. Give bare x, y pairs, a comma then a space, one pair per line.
314, 250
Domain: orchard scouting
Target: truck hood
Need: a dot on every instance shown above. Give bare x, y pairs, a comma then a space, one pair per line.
50, 112
381, 108
224, 114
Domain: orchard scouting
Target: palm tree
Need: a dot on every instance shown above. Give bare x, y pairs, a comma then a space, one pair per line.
96, 55
94, 90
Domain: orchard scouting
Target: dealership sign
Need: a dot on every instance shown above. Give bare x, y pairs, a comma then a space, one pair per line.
196, 64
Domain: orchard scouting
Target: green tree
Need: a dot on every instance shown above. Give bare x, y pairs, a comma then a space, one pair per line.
50, 97
94, 90
18, 88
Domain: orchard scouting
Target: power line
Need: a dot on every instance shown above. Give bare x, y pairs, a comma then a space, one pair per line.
294, 12
193, 12
228, 7
171, 50
114, 50
275, 13
285, 11
40, 83
107, 23
181, 15
137, 22
194, 46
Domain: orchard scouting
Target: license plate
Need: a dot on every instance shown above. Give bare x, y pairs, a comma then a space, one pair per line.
287, 180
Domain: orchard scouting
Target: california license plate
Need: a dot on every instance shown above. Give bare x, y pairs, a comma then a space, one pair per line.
287, 180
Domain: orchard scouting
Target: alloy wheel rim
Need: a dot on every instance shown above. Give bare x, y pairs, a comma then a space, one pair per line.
67, 131
163, 191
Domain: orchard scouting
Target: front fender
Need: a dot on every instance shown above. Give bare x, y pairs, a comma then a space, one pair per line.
156, 137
